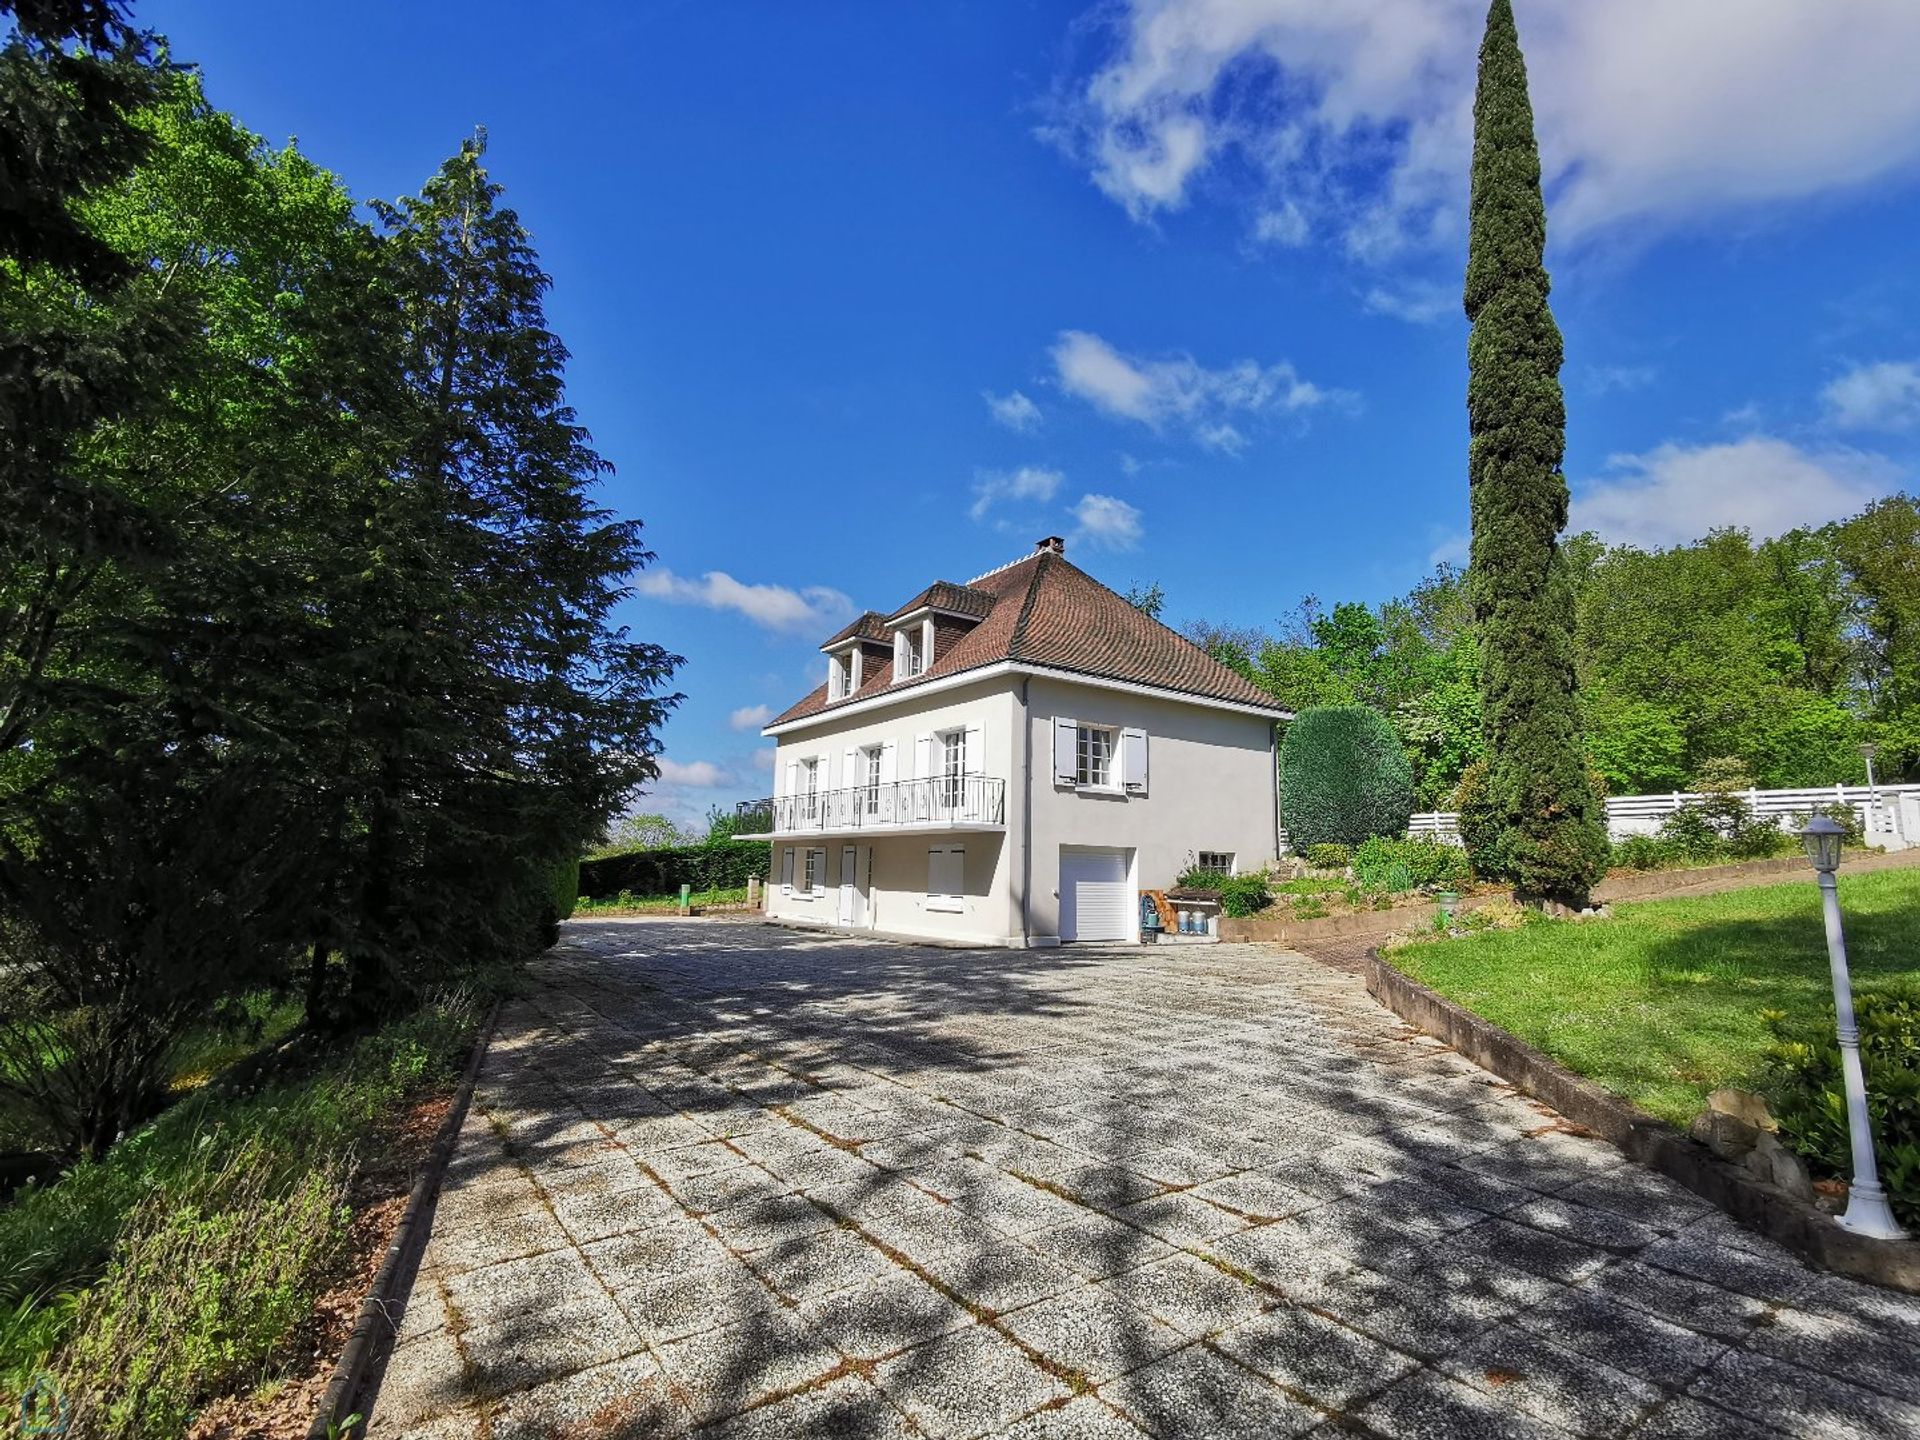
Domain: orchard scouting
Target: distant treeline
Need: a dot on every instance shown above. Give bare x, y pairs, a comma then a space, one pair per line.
1784, 654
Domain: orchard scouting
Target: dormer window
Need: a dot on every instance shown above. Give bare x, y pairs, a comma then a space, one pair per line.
912, 648
843, 674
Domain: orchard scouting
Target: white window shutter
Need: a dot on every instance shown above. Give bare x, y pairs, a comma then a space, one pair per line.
1065, 734
922, 757
855, 664
786, 870
899, 654
926, 645
1133, 760
889, 762
793, 777
850, 775
819, 872
825, 770
975, 758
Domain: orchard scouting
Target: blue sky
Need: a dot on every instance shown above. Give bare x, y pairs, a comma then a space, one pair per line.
861, 295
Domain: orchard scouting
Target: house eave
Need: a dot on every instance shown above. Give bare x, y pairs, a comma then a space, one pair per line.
902, 692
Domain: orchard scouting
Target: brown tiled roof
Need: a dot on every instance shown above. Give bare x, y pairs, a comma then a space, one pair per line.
871, 625
945, 595
1044, 611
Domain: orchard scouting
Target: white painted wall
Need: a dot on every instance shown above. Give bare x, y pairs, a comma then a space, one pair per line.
1209, 787
898, 902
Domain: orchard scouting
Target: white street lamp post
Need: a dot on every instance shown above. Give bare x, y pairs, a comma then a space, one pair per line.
1867, 1210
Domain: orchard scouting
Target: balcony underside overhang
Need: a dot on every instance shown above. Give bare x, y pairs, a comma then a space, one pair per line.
879, 832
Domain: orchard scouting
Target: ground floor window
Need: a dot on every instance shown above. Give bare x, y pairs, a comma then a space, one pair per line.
946, 877
816, 872
1221, 860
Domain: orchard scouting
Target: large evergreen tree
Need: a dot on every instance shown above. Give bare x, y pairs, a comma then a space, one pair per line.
1552, 839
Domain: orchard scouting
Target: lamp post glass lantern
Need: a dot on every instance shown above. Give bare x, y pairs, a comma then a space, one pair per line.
1867, 1210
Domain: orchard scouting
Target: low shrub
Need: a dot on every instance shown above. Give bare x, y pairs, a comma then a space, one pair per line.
1643, 852
1499, 913
1196, 878
1343, 777
1328, 856
189, 1252
1397, 866
1243, 895
1807, 1095
1845, 816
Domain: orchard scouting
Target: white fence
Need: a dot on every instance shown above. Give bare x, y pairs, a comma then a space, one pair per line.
1889, 814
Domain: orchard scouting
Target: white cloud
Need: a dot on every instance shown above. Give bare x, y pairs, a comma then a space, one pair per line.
1360, 112
1876, 397
1418, 302
1106, 522
1609, 379
1178, 389
750, 717
1284, 225
812, 608
1029, 482
1677, 493
1013, 410
692, 774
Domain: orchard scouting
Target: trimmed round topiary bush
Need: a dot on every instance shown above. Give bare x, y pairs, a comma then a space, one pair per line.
1343, 777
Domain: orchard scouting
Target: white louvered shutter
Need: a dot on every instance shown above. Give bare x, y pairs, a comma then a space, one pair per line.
1065, 733
1133, 761
975, 759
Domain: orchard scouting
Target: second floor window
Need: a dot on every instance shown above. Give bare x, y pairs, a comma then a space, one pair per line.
953, 766
839, 677
870, 778
913, 656
809, 787
1093, 756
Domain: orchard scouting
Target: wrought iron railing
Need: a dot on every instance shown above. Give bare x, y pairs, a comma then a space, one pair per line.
941, 800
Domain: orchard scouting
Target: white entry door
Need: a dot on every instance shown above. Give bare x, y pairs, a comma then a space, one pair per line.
1095, 903
853, 891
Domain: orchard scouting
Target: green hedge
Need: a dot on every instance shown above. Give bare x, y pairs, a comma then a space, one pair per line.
662, 872
1343, 777
566, 888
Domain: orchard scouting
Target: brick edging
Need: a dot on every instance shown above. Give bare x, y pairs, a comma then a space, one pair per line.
374, 1325
1650, 1141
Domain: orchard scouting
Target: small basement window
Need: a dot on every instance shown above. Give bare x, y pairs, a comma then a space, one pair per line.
1221, 860
946, 877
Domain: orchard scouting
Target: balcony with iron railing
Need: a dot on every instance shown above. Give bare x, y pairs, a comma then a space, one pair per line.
943, 802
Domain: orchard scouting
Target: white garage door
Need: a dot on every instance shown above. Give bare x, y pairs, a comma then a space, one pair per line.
1094, 901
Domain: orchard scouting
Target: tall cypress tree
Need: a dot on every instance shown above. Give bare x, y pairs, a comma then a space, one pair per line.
1550, 835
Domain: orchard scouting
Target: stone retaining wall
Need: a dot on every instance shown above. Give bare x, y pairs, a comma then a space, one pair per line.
1654, 1143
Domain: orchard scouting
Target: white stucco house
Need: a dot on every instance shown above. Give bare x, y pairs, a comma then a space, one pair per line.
1010, 762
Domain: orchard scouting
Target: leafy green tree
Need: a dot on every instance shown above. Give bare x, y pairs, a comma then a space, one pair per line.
1880, 550
1148, 599
1555, 838
642, 832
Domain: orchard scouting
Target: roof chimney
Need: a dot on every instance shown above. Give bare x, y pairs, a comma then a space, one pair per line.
1052, 545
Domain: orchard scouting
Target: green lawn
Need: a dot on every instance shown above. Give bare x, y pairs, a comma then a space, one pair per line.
1661, 1002
626, 903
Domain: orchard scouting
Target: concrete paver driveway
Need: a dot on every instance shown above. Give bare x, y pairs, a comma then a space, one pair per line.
731, 1179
